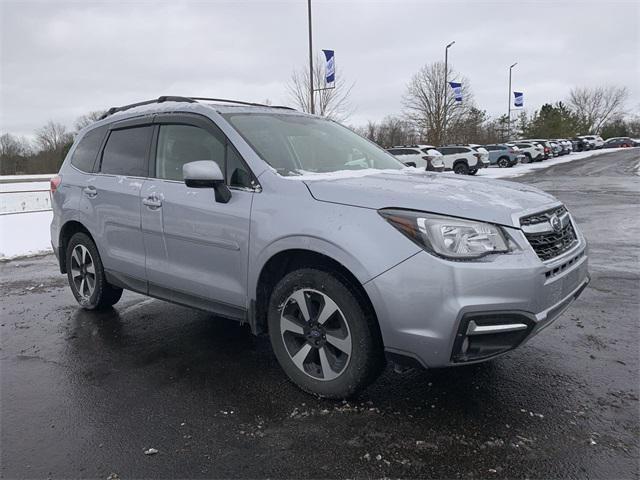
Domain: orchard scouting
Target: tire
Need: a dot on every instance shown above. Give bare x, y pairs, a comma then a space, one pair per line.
503, 162
473, 171
347, 368
461, 168
528, 157
86, 275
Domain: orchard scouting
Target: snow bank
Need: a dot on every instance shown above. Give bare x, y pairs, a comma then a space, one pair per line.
24, 234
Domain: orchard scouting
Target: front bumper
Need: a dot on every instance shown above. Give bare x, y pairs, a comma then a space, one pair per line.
425, 304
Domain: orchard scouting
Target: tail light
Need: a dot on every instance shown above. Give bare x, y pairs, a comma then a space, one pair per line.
55, 183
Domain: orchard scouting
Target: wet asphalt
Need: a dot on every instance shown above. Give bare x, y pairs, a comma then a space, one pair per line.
85, 394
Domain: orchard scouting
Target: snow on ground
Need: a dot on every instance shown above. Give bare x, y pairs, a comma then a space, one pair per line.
25, 215
23, 234
521, 169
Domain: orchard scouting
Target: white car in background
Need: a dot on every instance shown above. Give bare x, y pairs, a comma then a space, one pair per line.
533, 152
595, 141
462, 160
484, 154
419, 156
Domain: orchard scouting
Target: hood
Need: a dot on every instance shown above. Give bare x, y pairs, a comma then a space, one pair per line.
487, 200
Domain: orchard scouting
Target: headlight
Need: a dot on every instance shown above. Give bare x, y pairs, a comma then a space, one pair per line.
448, 237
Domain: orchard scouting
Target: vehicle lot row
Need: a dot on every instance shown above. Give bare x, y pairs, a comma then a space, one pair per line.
468, 159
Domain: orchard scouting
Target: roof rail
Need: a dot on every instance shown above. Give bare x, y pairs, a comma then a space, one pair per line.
165, 98
239, 102
168, 98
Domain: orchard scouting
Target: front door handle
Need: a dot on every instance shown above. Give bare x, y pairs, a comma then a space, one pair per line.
152, 202
90, 191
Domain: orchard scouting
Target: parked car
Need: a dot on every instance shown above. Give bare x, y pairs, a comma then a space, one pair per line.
420, 156
580, 144
532, 151
462, 160
617, 142
548, 151
504, 155
484, 154
556, 148
595, 140
566, 145
305, 231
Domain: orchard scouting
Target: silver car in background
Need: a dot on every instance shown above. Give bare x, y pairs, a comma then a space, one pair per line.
309, 233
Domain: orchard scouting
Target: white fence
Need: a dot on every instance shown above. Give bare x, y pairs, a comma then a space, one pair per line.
25, 215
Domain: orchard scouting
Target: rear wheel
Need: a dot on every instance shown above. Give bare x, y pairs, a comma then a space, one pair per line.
473, 171
461, 168
528, 157
323, 338
86, 275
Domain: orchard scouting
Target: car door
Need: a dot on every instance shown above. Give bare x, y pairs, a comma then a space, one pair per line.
197, 248
112, 201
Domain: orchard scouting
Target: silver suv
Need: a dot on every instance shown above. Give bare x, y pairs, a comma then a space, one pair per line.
312, 234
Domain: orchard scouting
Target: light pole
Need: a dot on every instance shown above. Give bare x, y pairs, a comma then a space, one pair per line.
311, 105
444, 101
509, 98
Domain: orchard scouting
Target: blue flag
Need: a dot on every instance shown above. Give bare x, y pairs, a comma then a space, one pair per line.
518, 100
330, 67
457, 90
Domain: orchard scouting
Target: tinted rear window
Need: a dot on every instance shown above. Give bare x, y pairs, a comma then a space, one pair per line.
125, 152
86, 152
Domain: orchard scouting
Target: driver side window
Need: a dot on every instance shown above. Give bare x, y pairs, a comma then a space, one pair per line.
180, 144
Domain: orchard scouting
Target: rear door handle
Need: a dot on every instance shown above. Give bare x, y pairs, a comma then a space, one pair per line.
90, 192
152, 202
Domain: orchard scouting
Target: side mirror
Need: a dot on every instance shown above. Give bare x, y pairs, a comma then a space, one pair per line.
410, 164
206, 174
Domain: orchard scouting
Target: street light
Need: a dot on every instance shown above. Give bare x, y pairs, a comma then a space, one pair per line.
446, 72
509, 98
311, 105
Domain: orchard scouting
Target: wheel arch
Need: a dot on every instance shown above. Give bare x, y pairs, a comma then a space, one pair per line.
68, 230
283, 261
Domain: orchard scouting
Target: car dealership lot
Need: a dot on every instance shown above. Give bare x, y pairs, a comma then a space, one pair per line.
85, 394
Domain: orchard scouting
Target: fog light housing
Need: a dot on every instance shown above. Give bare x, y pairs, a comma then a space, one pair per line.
484, 335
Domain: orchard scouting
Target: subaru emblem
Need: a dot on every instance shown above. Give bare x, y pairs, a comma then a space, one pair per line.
555, 222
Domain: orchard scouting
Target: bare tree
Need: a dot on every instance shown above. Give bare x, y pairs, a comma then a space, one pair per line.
53, 137
597, 106
87, 119
12, 146
427, 98
331, 103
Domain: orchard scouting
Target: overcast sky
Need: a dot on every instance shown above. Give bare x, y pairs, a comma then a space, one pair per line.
62, 59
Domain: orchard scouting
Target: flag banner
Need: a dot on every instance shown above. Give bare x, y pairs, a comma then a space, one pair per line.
457, 90
330, 68
518, 99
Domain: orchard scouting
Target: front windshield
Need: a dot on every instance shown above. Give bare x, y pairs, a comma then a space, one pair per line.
298, 144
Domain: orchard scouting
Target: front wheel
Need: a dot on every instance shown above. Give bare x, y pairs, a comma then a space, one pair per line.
324, 339
503, 162
461, 168
473, 171
86, 275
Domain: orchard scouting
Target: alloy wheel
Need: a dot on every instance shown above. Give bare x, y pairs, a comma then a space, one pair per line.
83, 272
315, 334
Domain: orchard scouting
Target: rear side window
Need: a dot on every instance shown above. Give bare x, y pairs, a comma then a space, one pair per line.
86, 152
126, 152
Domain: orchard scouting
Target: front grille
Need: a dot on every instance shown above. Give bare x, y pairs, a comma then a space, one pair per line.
549, 243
